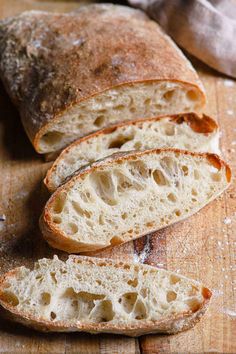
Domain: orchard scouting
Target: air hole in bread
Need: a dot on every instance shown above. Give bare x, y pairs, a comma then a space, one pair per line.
119, 107
101, 220
174, 279
133, 282
86, 196
128, 300
193, 304
53, 276
151, 208
52, 138
115, 241
79, 210
169, 165
124, 216
103, 312
170, 130
194, 192
132, 109
10, 298
196, 174
143, 292
123, 183
159, 178
140, 311
177, 212
53, 316
138, 145
98, 282
89, 223
185, 170
216, 177
99, 121
72, 228
171, 296
59, 203
172, 197
103, 186
147, 101
139, 169
168, 95
192, 95
57, 220
45, 299
120, 141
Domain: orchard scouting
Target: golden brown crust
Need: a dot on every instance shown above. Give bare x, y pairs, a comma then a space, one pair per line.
81, 54
171, 324
58, 239
201, 125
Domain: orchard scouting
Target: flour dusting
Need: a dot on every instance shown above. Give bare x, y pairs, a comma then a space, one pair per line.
144, 253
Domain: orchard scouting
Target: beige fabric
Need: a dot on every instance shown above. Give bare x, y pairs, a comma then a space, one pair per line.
206, 29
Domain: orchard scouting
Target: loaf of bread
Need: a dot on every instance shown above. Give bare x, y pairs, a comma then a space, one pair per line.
100, 295
74, 73
127, 195
185, 131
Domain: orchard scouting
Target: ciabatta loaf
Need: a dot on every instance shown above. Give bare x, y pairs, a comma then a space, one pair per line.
128, 195
183, 131
74, 73
100, 295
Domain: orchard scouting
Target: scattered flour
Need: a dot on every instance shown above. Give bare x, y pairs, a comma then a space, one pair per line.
227, 221
230, 112
229, 83
230, 313
144, 253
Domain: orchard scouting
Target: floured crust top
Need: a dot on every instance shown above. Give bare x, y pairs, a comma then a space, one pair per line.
48, 62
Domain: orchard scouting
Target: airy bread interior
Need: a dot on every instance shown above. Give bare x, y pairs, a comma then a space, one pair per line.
124, 197
84, 291
125, 102
159, 133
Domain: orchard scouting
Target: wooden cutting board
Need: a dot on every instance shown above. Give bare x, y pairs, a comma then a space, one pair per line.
202, 247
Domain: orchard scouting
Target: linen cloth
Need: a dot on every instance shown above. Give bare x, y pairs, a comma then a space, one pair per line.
204, 28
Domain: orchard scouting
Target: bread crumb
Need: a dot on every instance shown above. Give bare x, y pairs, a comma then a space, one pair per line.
227, 221
2, 217
228, 83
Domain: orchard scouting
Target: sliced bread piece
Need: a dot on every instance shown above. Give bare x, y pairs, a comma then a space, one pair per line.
101, 295
184, 131
73, 73
127, 195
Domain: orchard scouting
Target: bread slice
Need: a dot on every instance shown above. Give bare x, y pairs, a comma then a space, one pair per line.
183, 131
101, 295
74, 73
127, 195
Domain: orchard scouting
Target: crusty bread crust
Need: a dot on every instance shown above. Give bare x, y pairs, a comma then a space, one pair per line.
172, 324
80, 55
58, 239
201, 125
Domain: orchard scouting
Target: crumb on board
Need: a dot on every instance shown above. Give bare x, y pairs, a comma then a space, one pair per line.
227, 221
2, 217
228, 83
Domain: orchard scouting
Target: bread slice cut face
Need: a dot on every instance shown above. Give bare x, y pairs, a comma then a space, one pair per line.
184, 131
99, 295
127, 195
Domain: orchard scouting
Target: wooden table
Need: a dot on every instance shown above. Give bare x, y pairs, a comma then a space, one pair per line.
202, 247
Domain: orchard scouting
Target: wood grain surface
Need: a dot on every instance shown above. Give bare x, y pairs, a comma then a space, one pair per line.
202, 247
